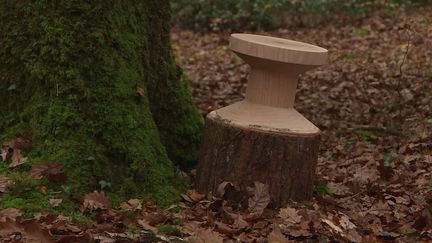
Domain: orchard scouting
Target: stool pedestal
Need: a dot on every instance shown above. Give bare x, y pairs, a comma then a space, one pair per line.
263, 138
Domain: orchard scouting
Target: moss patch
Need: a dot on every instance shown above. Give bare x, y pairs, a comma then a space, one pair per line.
74, 67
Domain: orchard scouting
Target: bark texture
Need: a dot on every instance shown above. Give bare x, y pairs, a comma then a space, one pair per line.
69, 71
284, 162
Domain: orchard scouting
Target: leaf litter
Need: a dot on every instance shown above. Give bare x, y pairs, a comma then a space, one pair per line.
375, 157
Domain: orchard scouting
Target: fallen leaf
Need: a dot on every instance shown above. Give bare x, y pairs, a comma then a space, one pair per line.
9, 226
222, 188
205, 236
145, 225
140, 91
157, 218
333, 226
34, 233
104, 239
55, 202
4, 152
224, 229
260, 198
47, 168
239, 222
4, 182
423, 220
10, 213
346, 223
131, 205
276, 236
195, 196
354, 236
290, 215
95, 200
17, 159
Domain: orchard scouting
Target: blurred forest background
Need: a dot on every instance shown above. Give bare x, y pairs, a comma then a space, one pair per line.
269, 14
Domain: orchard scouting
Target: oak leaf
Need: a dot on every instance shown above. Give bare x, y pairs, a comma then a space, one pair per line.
260, 198
290, 215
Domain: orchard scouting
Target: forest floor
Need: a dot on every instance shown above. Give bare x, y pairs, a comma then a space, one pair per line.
374, 181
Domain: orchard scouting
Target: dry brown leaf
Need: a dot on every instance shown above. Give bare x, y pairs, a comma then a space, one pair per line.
38, 215
346, 223
195, 196
276, 236
205, 236
45, 168
4, 182
95, 200
353, 236
17, 159
333, 226
187, 198
224, 229
290, 215
260, 198
55, 202
157, 218
73, 228
239, 222
131, 205
10, 213
140, 91
4, 152
145, 225
34, 233
222, 188
9, 226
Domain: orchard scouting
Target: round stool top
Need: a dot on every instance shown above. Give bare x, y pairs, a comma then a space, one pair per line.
278, 49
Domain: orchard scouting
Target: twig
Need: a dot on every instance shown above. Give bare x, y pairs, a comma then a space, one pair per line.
398, 88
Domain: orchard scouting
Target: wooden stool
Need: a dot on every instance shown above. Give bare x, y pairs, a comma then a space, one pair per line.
263, 138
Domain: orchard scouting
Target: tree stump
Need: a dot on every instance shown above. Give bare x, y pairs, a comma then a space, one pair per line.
263, 138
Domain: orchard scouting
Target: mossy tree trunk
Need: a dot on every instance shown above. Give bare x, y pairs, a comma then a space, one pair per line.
69, 71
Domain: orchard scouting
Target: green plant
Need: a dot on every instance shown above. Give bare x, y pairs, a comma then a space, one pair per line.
168, 229
133, 229
322, 189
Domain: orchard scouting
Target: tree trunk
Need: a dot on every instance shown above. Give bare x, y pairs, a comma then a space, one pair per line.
69, 76
286, 162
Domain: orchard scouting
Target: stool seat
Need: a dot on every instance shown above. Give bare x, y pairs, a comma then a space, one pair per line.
278, 49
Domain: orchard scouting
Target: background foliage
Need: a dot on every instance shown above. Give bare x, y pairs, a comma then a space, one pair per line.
257, 14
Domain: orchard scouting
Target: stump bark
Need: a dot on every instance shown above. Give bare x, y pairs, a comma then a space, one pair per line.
285, 162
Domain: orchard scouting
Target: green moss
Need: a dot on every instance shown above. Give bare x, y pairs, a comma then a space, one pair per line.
322, 189
32, 200
133, 229
75, 66
168, 229
81, 220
